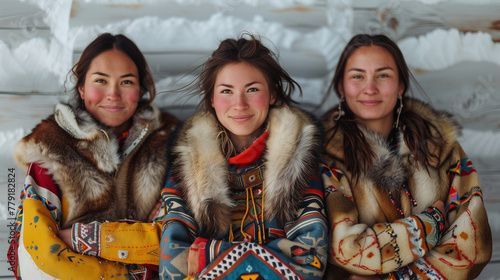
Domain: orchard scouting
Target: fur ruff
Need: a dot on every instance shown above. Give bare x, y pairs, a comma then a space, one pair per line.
203, 172
391, 169
84, 161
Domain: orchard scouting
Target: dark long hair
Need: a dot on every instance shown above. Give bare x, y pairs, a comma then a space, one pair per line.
419, 134
249, 49
253, 52
105, 42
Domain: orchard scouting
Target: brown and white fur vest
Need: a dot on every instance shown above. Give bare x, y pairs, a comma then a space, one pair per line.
291, 159
96, 180
394, 168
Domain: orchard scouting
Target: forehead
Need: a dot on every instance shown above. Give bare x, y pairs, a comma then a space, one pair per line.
113, 61
240, 72
371, 56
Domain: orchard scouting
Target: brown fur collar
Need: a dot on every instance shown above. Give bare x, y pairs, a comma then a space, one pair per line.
203, 171
389, 166
84, 161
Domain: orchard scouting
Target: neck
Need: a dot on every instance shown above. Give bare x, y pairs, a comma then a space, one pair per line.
382, 127
118, 130
242, 142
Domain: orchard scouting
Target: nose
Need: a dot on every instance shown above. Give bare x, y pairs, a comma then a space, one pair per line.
113, 93
370, 86
240, 101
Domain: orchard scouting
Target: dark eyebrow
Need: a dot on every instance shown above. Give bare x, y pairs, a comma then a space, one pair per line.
100, 73
230, 86
377, 70
384, 68
252, 83
128, 75
225, 85
106, 75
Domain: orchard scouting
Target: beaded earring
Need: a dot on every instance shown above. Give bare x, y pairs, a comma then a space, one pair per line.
341, 111
400, 109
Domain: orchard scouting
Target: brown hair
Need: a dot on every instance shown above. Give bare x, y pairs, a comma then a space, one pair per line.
249, 50
105, 42
419, 134
253, 52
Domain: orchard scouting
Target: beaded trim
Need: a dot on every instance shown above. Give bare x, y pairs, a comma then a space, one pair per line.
414, 202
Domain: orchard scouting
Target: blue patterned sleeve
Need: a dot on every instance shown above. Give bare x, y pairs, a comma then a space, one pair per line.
298, 251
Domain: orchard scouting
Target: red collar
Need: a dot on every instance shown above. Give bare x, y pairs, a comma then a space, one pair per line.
252, 153
122, 136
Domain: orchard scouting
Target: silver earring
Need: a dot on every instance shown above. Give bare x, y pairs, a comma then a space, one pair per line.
400, 109
341, 112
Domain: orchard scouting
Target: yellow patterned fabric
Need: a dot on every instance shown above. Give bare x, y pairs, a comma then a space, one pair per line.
53, 256
116, 242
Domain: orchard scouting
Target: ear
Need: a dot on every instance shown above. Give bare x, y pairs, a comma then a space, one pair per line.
82, 92
273, 99
401, 88
341, 89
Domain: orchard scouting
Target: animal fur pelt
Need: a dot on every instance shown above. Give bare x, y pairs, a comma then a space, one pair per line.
84, 159
291, 158
393, 168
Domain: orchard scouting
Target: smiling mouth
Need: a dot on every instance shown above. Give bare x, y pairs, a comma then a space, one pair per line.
241, 118
112, 108
370, 102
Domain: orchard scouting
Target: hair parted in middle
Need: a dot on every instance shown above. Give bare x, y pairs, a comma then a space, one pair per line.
106, 42
419, 134
247, 48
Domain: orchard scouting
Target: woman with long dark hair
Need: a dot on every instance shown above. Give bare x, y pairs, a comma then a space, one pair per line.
244, 190
100, 157
244, 197
403, 199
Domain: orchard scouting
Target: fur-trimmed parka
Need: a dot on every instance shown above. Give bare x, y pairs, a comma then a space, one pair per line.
283, 231
381, 223
203, 171
97, 180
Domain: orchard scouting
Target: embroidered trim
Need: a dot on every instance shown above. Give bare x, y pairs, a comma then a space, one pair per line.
87, 238
248, 179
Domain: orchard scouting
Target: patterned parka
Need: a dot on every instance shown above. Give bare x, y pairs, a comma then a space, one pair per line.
258, 215
261, 213
77, 170
382, 223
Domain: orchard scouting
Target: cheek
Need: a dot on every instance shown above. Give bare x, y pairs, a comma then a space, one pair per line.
93, 95
262, 101
351, 89
131, 96
220, 104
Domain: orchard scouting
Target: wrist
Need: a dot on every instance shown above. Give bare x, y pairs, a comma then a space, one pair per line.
438, 217
86, 238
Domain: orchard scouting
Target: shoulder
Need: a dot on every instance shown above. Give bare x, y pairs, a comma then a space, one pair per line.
444, 121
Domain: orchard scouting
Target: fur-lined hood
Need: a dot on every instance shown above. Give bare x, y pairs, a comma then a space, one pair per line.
84, 160
388, 165
203, 172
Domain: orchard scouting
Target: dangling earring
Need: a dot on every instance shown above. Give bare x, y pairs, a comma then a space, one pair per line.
400, 98
83, 103
341, 112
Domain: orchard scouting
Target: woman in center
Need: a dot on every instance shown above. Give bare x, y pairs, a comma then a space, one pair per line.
244, 197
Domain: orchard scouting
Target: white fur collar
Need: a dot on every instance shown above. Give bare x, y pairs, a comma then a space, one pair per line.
202, 170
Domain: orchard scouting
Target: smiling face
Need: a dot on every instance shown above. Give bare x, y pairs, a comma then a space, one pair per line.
371, 86
241, 100
111, 90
